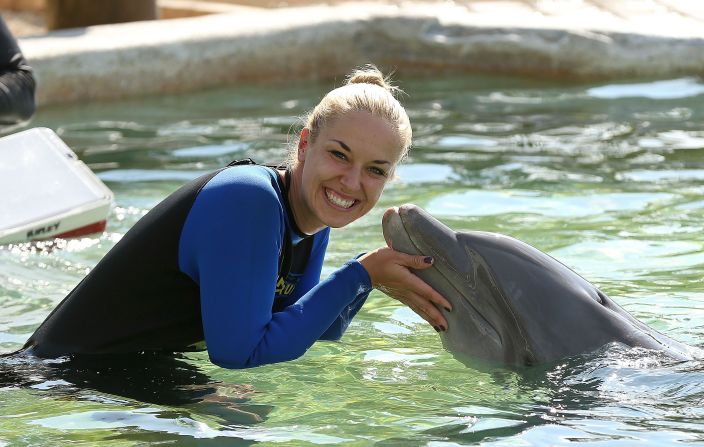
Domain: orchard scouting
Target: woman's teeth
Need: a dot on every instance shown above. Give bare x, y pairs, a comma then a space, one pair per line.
337, 200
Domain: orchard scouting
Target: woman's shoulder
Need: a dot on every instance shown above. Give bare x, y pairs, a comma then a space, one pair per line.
241, 190
241, 181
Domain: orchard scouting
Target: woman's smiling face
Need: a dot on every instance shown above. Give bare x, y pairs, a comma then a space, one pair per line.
342, 173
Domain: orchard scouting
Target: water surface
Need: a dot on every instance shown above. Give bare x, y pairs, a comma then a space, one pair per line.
607, 178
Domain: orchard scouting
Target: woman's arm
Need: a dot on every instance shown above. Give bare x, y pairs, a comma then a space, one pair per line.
16, 81
311, 277
230, 246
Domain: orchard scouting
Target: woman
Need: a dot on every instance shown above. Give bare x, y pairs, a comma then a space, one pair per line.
233, 259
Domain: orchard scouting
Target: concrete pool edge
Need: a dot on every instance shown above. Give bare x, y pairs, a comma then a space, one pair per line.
323, 42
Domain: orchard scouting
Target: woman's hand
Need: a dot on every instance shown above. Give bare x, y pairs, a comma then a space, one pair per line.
390, 272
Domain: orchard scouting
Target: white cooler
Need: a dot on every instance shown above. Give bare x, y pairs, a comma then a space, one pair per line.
46, 192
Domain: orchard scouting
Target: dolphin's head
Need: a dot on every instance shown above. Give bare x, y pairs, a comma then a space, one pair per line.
511, 302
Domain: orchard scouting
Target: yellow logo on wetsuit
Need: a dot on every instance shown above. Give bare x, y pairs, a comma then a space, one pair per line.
284, 288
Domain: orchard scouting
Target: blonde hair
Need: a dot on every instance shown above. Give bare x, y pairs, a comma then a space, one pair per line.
368, 90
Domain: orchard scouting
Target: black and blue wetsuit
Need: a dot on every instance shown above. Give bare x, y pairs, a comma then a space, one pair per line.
204, 265
16, 81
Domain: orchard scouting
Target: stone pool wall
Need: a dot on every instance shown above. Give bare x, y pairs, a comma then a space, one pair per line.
584, 41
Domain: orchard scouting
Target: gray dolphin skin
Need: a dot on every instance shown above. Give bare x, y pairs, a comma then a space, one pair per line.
512, 303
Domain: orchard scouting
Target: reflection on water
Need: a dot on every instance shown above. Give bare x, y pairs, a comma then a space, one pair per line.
131, 389
484, 203
606, 178
145, 175
672, 89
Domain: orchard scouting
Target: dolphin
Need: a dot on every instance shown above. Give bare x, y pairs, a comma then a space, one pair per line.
512, 303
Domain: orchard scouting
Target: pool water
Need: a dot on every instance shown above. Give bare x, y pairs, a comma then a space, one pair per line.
608, 178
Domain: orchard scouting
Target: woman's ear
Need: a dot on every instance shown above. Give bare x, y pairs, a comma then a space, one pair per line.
303, 144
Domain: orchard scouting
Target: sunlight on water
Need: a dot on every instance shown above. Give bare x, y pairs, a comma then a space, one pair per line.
425, 173
673, 89
150, 419
607, 178
144, 175
486, 203
210, 151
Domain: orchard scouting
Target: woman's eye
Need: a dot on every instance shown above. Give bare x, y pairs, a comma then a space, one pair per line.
377, 171
338, 154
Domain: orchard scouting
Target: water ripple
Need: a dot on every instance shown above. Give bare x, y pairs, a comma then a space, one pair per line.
671, 89
607, 178
484, 203
153, 420
147, 175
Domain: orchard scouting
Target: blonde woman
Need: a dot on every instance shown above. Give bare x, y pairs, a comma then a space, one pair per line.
231, 262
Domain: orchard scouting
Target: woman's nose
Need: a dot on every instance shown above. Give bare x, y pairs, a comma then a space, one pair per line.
351, 178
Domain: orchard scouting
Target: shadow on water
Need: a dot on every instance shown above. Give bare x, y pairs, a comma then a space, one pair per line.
158, 380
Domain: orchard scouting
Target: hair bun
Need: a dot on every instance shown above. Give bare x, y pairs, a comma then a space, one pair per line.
369, 74
361, 93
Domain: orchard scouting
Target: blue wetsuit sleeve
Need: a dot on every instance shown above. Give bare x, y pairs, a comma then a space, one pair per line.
230, 246
311, 277
339, 326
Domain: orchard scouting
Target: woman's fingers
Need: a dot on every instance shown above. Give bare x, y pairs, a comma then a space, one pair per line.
426, 310
431, 294
420, 286
418, 262
417, 298
390, 272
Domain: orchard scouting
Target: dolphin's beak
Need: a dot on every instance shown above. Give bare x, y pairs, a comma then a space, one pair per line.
390, 215
424, 231
411, 230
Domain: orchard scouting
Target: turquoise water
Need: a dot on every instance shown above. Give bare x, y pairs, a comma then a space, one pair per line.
607, 178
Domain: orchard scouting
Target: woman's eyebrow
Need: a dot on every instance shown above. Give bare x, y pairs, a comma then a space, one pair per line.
344, 146
347, 148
